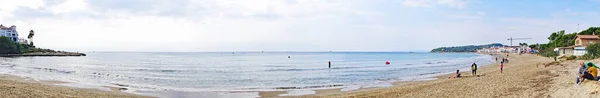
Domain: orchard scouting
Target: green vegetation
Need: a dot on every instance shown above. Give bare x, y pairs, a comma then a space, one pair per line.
560, 39
469, 48
8, 46
572, 57
593, 51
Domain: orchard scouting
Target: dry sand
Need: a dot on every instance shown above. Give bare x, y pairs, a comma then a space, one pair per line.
15, 87
524, 76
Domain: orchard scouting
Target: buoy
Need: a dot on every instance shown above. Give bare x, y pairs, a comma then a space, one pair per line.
387, 63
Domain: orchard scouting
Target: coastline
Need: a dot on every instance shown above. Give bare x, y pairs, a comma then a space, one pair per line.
43, 54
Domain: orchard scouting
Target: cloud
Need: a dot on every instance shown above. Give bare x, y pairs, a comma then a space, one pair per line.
432, 3
276, 25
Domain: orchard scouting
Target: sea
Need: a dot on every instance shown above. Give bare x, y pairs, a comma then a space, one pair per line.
239, 74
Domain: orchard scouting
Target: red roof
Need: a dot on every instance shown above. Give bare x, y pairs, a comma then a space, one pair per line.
588, 36
3, 27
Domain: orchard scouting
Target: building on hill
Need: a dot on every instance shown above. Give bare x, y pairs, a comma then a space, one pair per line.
10, 32
506, 49
585, 40
581, 42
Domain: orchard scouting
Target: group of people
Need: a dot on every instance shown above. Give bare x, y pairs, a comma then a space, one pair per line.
587, 71
473, 71
474, 68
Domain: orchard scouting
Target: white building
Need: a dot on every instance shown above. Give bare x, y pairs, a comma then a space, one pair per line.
24, 41
10, 32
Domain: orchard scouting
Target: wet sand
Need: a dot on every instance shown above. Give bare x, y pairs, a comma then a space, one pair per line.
525, 76
16, 87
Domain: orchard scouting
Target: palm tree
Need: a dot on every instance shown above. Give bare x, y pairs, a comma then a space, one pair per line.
30, 37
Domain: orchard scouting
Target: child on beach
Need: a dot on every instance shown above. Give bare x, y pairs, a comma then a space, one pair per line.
501, 66
457, 74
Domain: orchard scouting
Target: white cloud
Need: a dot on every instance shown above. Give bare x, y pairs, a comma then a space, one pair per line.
254, 25
433, 3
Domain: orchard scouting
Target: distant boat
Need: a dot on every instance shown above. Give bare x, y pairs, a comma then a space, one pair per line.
411, 52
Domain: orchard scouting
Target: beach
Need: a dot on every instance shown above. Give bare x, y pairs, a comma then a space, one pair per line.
17, 87
525, 76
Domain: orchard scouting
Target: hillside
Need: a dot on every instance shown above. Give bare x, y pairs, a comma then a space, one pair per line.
469, 48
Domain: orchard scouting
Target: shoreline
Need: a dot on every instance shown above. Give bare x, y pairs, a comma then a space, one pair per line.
43, 54
15, 86
319, 92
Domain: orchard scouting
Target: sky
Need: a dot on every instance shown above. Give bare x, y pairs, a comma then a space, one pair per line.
291, 25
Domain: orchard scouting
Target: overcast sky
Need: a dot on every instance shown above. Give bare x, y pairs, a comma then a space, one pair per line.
290, 25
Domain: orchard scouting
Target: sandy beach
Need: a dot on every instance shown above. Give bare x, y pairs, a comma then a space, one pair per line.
16, 87
525, 76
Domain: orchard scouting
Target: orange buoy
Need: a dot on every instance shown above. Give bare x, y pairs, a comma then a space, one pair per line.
387, 63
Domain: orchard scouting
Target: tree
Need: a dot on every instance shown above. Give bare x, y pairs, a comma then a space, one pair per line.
7, 46
522, 44
552, 36
593, 50
30, 37
590, 31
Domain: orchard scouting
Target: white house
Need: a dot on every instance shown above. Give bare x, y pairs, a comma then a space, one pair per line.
10, 32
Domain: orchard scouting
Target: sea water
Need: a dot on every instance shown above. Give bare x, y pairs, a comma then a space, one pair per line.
241, 71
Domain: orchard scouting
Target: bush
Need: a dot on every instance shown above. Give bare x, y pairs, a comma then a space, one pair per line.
8, 46
572, 57
548, 53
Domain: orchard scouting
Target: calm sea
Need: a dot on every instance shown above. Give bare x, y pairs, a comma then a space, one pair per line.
240, 71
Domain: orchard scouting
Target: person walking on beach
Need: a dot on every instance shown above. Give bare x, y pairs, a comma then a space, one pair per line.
474, 69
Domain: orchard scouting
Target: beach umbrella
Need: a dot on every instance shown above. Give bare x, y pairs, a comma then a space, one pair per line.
592, 64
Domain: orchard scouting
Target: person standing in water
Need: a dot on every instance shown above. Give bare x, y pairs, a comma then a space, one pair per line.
329, 64
474, 69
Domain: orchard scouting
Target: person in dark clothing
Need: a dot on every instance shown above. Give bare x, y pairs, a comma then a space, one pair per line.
474, 69
329, 64
457, 75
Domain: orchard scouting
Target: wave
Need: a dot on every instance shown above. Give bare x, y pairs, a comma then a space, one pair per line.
54, 70
296, 69
161, 70
308, 87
